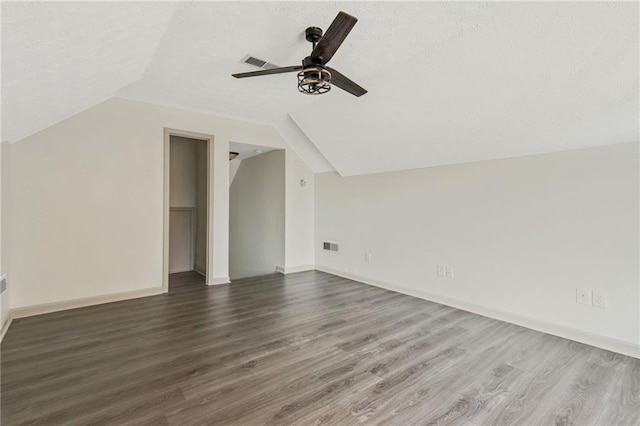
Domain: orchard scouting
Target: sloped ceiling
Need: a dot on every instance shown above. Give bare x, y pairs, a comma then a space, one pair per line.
60, 58
448, 82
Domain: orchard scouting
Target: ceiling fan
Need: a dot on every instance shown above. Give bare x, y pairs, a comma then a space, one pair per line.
314, 77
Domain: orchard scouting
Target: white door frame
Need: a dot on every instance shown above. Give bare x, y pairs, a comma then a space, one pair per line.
166, 202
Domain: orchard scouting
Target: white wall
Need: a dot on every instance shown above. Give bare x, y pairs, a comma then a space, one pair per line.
183, 172
4, 169
300, 201
233, 169
2, 144
521, 234
257, 216
87, 199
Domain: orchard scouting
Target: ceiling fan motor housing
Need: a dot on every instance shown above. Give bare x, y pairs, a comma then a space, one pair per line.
309, 62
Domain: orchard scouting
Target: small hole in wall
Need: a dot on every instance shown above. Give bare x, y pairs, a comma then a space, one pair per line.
303, 182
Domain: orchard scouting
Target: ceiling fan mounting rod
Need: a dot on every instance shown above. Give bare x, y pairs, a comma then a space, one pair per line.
313, 35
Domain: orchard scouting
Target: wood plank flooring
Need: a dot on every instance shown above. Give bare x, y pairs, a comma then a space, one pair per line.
307, 349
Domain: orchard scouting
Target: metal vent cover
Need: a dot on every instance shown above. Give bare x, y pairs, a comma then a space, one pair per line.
330, 246
256, 62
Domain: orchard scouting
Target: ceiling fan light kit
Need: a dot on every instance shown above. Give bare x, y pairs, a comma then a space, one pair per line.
314, 77
314, 81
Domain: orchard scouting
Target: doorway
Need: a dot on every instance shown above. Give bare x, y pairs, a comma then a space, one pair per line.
256, 211
187, 210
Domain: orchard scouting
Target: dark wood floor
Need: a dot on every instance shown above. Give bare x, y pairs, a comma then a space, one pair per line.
307, 348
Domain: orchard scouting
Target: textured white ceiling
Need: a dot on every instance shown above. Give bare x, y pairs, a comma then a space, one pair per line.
60, 58
448, 82
517, 79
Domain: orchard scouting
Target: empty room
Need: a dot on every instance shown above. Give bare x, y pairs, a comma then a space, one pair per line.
320, 213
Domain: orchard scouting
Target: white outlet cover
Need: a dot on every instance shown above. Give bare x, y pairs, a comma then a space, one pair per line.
599, 300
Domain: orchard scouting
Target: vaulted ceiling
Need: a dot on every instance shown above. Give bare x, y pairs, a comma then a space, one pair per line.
448, 82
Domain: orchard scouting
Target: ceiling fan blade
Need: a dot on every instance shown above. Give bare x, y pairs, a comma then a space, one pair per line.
338, 79
268, 72
334, 36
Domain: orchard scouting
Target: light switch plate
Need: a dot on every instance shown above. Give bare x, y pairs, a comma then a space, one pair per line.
583, 296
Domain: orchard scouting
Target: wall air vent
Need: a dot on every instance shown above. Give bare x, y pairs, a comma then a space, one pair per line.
248, 59
330, 246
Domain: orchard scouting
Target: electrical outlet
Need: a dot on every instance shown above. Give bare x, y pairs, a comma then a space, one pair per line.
444, 271
583, 296
367, 257
448, 271
599, 300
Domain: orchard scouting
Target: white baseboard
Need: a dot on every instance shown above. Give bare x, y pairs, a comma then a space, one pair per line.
5, 326
46, 308
582, 336
293, 269
219, 281
177, 271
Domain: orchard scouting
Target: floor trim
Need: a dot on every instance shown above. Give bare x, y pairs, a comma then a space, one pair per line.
597, 340
219, 281
178, 271
5, 326
294, 269
46, 308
